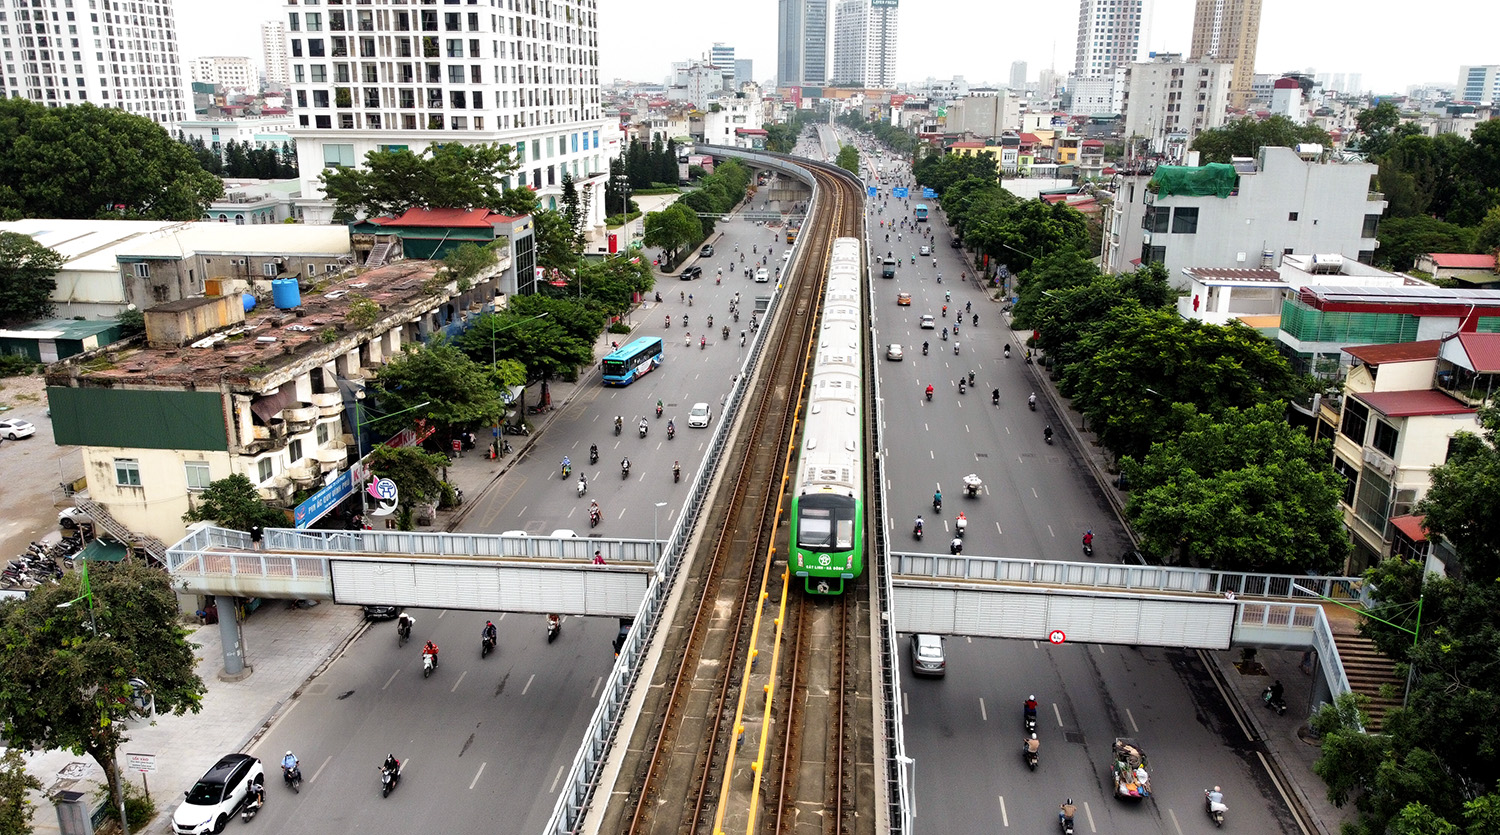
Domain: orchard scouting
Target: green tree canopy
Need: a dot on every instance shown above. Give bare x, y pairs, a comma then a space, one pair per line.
448, 176
415, 471
16, 784
1381, 127
1245, 137
1135, 364
1077, 296
938, 170
673, 228
83, 161
545, 347
66, 684
26, 278
233, 502
1403, 239
848, 159
471, 259
437, 383
1463, 503
1241, 492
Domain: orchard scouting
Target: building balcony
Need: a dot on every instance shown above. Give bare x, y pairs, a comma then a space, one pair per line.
304, 474
300, 418
331, 458
278, 489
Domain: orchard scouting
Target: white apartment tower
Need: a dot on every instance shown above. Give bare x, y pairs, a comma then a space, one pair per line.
722, 56
111, 53
864, 43
524, 73
1169, 101
224, 71
1109, 35
273, 45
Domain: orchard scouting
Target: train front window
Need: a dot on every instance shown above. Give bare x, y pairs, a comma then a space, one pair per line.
825, 524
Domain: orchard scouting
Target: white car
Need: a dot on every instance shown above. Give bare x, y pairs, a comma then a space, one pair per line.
699, 415
893, 352
13, 428
928, 323
926, 250
762, 276
563, 533
218, 795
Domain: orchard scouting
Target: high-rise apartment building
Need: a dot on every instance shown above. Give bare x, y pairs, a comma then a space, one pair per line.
525, 75
115, 54
1226, 31
744, 71
1018, 76
802, 43
273, 46
722, 56
1109, 35
864, 43
1479, 85
229, 71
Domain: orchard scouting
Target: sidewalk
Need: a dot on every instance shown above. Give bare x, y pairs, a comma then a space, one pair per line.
286, 647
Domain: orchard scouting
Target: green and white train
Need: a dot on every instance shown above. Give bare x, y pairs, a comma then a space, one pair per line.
827, 546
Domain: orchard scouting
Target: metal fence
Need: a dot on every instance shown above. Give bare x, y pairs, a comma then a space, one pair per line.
1126, 577
582, 779
439, 544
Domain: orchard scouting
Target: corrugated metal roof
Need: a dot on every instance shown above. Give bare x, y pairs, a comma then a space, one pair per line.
1412, 403
1483, 350
1257, 275
1411, 527
1462, 261
1426, 349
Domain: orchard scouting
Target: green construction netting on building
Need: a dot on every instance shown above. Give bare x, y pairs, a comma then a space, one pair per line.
1306, 324
1216, 179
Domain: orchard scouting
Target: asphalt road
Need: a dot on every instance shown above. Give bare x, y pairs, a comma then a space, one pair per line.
964, 730
535, 498
483, 741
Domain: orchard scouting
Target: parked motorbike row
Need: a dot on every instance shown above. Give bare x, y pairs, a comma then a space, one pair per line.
39, 563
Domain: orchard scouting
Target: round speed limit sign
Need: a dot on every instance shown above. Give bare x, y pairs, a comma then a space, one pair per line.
1056, 636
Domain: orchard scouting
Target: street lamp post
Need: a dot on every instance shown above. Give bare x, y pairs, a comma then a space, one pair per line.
359, 437
655, 542
88, 597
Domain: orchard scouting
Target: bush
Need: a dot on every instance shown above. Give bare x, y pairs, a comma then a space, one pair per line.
139, 808
621, 220
449, 497
16, 365
659, 188
619, 327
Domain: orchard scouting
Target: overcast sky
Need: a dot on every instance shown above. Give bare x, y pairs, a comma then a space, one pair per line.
1391, 44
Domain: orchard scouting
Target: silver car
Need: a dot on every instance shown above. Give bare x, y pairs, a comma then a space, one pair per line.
927, 656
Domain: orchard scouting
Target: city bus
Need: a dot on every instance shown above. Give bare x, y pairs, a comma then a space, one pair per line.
921, 213
625, 364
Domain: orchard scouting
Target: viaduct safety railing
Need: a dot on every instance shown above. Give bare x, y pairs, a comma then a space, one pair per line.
583, 775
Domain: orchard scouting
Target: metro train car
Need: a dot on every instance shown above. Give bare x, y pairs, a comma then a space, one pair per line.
827, 535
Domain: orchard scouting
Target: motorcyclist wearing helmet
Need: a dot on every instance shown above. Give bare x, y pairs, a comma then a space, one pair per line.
289, 762
1066, 810
488, 633
1029, 708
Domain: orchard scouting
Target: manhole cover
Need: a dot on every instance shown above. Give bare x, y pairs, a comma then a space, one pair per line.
1073, 737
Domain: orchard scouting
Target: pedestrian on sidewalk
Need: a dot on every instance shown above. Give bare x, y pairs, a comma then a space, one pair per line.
256, 531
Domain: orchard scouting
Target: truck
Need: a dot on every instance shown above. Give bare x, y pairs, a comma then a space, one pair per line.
1128, 769
888, 268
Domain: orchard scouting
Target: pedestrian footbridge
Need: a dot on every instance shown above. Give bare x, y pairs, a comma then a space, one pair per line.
481, 572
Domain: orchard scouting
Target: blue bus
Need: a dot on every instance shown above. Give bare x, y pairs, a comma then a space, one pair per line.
921, 213
624, 365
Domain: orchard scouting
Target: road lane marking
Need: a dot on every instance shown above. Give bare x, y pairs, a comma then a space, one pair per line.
521, 512
460, 681
1173, 816
1057, 713
392, 678
1004, 818
967, 429
440, 614
598, 681
905, 704
932, 455
528, 684
475, 781
555, 779
314, 777
1131, 717
1051, 532
1089, 813
982, 714
274, 724
997, 528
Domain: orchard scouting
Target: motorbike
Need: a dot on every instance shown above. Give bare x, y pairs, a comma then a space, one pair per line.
583, 486
403, 634
671, 431
642, 430
995, 397
1273, 702
676, 473
617, 426
971, 378
1088, 548
961, 526
1067, 825
1047, 435
929, 394
625, 471
1007, 352
594, 454
567, 470
916, 531
1031, 758
956, 547
924, 349
702, 342
1031, 402
658, 410
429, 663
252, 806
593, 518
1028, 721
293, 778
937, 504
963, 387
389, 777
955, 349
554, 626
486, 646
1214, 808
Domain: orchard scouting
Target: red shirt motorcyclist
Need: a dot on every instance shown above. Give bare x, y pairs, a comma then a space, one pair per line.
431, 649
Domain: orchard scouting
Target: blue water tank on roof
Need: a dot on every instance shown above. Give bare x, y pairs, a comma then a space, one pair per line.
285, 293
248, 301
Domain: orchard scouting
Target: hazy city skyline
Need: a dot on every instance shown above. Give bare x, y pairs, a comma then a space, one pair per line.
977, 40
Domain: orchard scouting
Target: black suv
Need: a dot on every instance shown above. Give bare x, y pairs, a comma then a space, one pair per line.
690, 273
